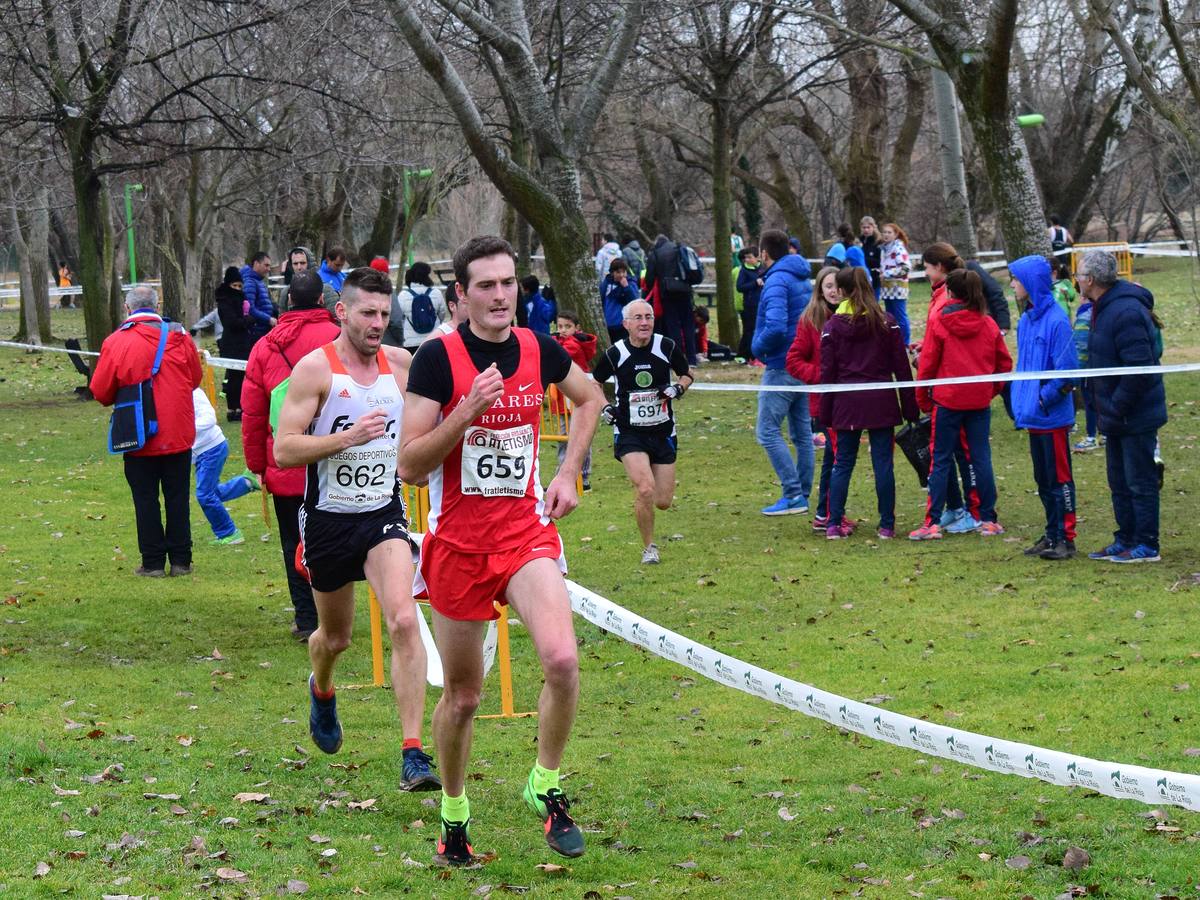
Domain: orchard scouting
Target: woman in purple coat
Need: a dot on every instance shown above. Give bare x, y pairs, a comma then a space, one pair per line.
861, 344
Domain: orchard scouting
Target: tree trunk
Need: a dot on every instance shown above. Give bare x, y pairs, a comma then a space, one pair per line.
727, 317
28, 330
863, 187
100, 301
658, 215
906, 141
751, 203
959, 226
794, 217
387, 218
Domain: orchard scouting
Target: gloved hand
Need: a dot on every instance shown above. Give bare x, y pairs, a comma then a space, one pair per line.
674, 392
608, 415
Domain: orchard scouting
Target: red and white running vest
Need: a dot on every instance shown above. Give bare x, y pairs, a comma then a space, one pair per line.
487, 492
363, 478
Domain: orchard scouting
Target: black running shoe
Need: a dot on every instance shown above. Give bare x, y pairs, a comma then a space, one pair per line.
562, 834
323, 722
454, 844
417, 774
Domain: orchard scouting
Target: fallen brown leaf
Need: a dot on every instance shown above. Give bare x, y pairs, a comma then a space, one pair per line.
1076, 858
227, 873
251, 797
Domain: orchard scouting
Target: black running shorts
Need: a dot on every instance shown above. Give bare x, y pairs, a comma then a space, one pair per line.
334, 546
660, 448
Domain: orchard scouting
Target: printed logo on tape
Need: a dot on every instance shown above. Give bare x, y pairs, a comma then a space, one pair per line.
886, 728
725, 672
961, 749
639, 633
667, 647
1174, 792
1129, 785
755, 685
589, 610
696, 661
919, 737
1000, 758
818, 708
1040, 768
614, 623
1084, 776
851, 718
786, 696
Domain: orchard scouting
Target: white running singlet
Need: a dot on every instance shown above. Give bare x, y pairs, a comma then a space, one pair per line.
363, 478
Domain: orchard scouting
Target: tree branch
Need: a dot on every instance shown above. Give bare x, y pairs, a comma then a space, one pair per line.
603, 79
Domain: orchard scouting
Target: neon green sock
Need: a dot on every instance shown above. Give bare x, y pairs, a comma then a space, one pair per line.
456, 809
543, 779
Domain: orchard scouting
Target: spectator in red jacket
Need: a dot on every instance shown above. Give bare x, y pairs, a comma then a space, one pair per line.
581, 347
305, 326
804, 364
165, 461
961, 340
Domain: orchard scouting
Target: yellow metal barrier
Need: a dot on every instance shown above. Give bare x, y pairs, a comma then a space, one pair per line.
1119, 249
208, 381
417, 500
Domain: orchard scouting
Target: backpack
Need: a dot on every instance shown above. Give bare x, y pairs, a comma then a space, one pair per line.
423, 317
1058, 238
691, 270
134, 418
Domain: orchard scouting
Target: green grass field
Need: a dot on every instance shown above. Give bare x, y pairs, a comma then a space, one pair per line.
133, 712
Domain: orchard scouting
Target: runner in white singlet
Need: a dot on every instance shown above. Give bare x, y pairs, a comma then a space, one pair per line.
341, 419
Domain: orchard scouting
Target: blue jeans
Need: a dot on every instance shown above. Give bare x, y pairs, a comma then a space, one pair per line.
1133, 481
213, 495
827, 458
882, 440
899, 311
952, 428
773, 407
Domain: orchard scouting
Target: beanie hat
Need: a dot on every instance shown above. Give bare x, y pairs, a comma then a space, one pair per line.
232, 274
380, 264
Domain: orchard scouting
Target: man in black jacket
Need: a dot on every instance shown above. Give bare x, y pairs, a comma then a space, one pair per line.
236, 337
678, 322
1129, 408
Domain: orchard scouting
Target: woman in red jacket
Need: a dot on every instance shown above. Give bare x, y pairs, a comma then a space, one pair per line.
961, 340
804, 363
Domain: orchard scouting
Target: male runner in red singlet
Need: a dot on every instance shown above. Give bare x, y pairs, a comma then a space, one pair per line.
471, 426
341, 419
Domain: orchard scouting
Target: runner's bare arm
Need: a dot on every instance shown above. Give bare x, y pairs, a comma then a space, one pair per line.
425, 442
588, 399
306, 391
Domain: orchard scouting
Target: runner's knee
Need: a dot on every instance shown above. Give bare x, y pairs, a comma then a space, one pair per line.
336, 642
461, 700
402, 620
560, 665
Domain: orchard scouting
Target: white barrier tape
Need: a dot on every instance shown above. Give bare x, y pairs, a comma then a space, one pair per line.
220, 362
1154, 786
1069, 374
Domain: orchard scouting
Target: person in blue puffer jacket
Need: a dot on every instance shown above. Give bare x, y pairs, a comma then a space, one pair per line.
785, 293
1044, 407
254, 286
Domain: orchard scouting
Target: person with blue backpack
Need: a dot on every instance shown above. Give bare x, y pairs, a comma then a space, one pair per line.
1044, 407
1129, 408
422, 306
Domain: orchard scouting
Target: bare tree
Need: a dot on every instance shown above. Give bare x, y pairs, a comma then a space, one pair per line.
978, 61
546, 189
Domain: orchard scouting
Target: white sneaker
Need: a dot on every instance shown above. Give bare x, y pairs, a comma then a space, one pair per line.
650, 555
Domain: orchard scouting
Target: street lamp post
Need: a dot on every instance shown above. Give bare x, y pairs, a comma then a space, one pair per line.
129, 189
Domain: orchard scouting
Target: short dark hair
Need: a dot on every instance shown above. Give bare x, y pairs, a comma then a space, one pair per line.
774, 243
748, 250
259, 257
419, 273
365, 281
617, 264
306, 290
569, 314
531, 284
451, 292
478, 248
335, 252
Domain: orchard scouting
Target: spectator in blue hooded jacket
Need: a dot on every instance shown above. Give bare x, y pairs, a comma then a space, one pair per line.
1045, 407
1129, 408
617, 289
540, 310
332, 268
785, 292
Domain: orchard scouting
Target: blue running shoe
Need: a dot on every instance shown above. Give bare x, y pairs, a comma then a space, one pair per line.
1142, 553
964, 524
323, 722
950, 516
786, 506
1116, 548
417, 774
